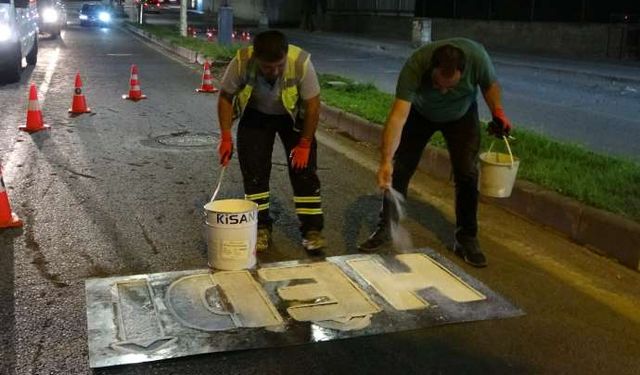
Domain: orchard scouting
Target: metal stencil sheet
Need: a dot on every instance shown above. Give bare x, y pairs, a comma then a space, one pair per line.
133, 319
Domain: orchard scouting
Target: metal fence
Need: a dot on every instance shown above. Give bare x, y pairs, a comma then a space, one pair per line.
391, 7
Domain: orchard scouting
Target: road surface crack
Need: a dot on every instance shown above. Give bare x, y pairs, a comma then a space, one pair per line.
38, 258
80, 174
147, 238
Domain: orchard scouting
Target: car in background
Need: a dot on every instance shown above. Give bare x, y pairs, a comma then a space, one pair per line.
53, 17
95, 14
153, 6
18, 37
150, 6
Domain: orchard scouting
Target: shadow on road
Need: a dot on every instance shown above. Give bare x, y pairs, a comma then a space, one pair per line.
7, 300
398, 353
363, 214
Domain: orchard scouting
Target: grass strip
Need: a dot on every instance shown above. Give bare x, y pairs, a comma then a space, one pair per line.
606, 182
171, 34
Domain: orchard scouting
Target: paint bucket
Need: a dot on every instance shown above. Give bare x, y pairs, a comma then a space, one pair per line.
232, 228
497, 172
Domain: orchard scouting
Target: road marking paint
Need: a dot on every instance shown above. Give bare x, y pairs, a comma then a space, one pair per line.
119, 54
51, 68
623, 304
354, 59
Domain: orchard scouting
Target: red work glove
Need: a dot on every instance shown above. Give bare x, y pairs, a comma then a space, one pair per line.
225, 148
300, 154
500, 125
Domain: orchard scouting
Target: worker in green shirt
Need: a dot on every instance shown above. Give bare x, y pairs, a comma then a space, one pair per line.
437, 91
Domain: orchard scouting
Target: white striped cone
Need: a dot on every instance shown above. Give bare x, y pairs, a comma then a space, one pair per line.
135, 93
34, 113
8, 219
207, 81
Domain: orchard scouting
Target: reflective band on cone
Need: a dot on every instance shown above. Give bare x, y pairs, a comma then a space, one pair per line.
8, 219
34, 113
135, 93
207, 81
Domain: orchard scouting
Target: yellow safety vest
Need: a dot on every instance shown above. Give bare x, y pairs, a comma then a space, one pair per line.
295, 70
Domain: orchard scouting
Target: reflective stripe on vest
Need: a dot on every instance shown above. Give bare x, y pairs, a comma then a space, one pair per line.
295, 69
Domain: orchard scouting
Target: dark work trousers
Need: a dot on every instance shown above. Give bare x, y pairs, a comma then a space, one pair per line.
256, 136
463, 142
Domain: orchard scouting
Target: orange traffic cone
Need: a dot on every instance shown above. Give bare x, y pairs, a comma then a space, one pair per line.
79, 104
135, 93
8, 219
34, 114
207, 82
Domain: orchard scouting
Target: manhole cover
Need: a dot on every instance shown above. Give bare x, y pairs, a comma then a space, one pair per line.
187, 139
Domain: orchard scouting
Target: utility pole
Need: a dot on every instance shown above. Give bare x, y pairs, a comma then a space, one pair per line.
183, 17
263, 22
225, 23
140, 8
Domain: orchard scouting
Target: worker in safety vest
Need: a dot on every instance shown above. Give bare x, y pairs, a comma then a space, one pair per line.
436, 91
273, 88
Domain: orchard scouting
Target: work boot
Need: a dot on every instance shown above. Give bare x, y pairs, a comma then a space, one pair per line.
376, 240
468, 249
264, 239
313, 240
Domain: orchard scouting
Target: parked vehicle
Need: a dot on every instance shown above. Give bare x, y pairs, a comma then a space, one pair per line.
18, 37
95, 14
53, 17
153, 6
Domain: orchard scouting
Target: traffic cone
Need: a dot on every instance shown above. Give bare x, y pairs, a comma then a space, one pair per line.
8, 219
79, 104
135, 93
207, 82
34, 114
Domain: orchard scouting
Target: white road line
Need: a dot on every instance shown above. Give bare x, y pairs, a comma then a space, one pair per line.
51, 68
15, 156
354, 59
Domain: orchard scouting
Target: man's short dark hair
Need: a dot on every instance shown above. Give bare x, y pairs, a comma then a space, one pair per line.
448, 59
270, 46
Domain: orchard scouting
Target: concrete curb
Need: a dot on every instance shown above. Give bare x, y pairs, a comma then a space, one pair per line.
603, 232
187, 54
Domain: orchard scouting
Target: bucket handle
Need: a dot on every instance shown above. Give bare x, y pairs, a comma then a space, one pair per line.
506, 142
215, 192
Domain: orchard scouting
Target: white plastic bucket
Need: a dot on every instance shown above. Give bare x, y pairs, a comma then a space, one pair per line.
232, 228
497, 172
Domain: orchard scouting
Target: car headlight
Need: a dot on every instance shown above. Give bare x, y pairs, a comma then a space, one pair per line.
104, 17
5, 33
83, 17
49, 15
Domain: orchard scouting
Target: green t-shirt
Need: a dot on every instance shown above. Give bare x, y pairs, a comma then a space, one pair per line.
415, 86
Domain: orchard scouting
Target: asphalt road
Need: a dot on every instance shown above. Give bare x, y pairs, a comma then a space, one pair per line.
100, 197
